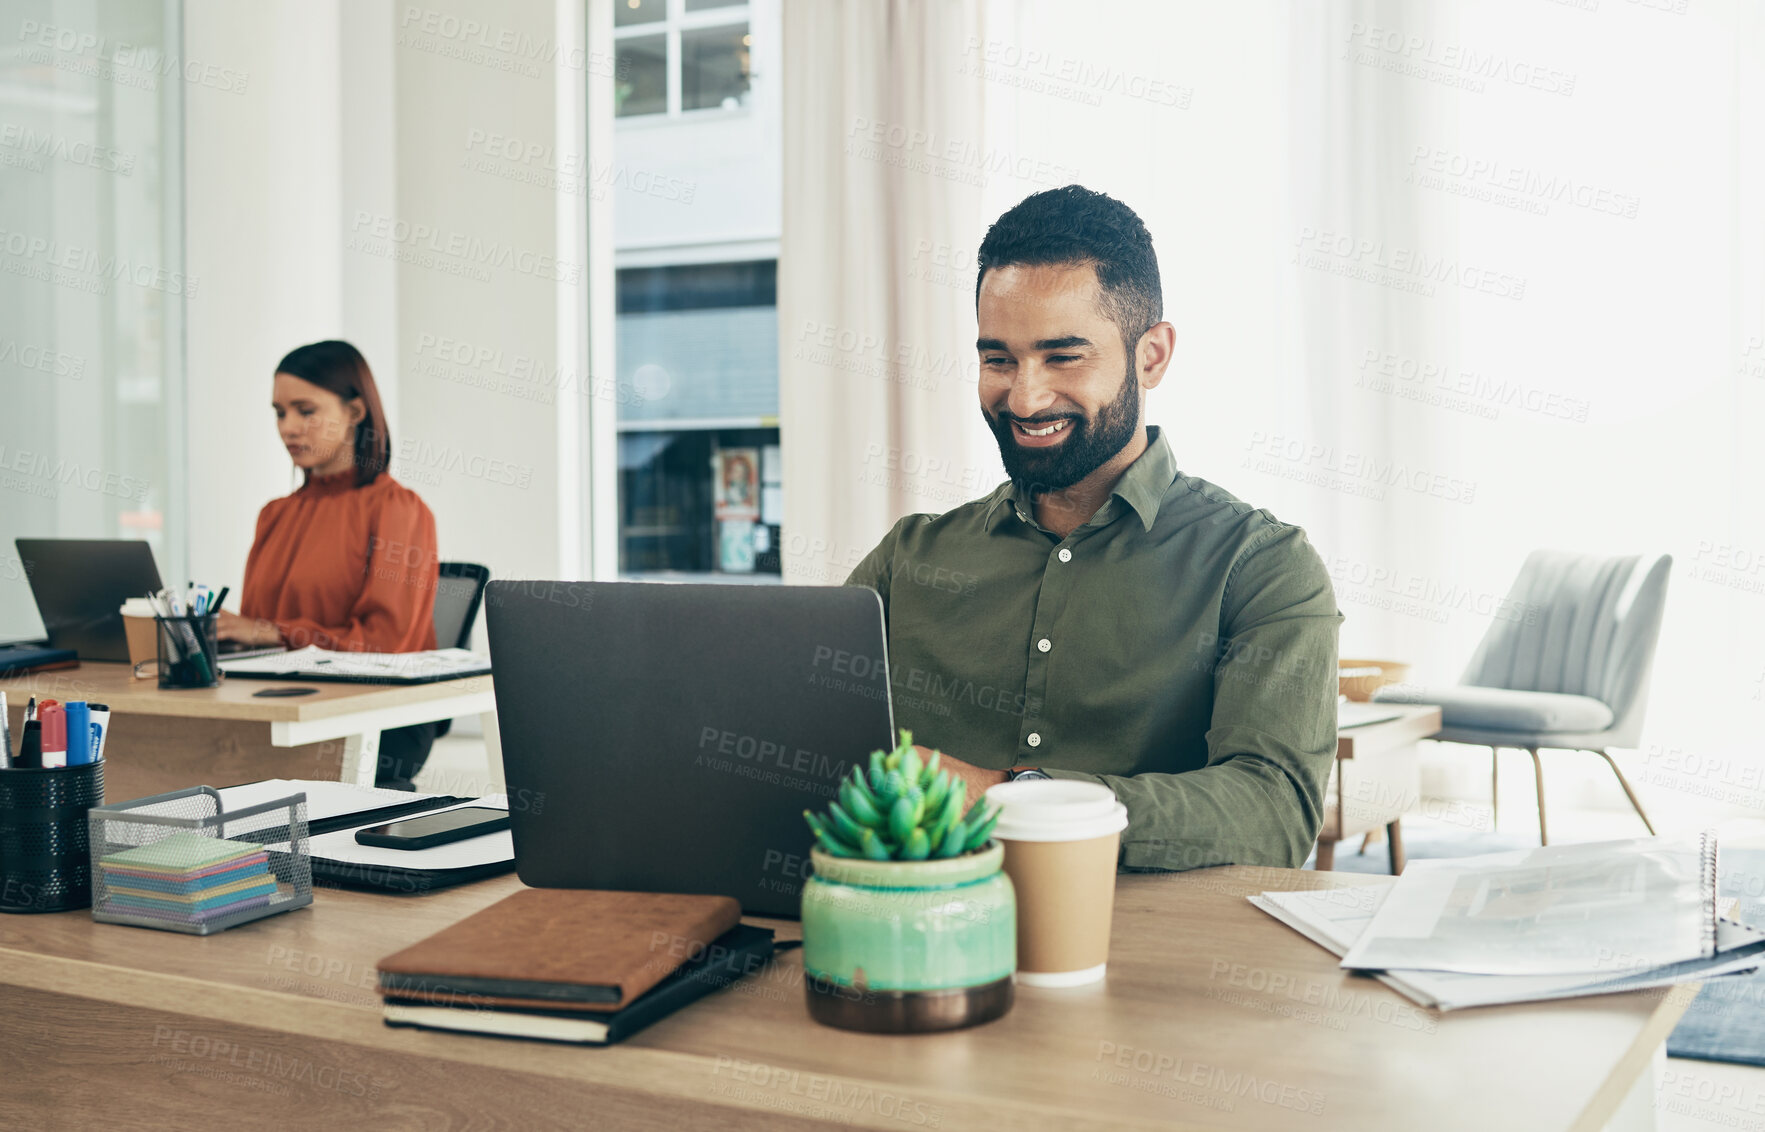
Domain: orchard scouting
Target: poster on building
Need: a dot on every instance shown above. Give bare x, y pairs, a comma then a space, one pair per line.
737, 488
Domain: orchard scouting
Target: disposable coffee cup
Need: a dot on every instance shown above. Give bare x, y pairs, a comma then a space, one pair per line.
143, 636
1061, 840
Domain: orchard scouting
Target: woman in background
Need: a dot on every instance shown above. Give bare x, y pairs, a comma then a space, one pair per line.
348, 561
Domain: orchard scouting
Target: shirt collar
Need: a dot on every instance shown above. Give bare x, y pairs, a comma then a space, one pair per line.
1141, 487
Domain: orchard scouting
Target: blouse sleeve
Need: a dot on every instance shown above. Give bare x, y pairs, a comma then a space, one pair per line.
396, 609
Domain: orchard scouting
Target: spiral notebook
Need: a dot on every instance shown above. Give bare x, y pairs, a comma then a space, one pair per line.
1606, 908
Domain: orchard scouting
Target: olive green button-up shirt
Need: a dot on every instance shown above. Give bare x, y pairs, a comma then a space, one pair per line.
1179, 647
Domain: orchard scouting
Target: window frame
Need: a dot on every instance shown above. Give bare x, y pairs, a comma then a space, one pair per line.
675, 20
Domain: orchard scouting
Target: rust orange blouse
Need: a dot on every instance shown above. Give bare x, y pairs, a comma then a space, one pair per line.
345, 567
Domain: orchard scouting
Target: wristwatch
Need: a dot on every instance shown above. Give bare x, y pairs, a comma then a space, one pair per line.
1027, 773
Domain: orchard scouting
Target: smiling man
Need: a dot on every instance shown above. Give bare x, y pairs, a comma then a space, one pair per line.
1122, 622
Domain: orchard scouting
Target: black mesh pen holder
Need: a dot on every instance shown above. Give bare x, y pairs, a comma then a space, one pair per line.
45, 858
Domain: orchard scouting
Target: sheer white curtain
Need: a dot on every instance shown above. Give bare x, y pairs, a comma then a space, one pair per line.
1451, 282
883, 157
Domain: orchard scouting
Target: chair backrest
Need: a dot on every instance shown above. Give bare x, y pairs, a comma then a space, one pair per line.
458, 594
1580, 624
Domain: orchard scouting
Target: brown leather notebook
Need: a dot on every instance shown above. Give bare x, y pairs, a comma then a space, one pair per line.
563, 948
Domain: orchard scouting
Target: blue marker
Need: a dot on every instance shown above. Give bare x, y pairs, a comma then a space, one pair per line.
79, 733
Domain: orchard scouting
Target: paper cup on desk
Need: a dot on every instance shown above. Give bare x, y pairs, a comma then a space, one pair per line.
1061, 840
143, 638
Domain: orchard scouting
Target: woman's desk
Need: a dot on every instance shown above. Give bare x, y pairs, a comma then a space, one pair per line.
169, 739
1213, 1015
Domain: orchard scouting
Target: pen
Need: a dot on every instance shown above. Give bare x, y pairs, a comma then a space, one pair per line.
5, 734
220, 597
31, 709
30, 747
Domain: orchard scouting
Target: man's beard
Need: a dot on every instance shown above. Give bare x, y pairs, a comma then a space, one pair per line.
1092, 443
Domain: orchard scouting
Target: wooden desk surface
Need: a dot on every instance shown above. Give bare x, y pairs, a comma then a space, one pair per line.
231, 699
1417, 721
1213, 1015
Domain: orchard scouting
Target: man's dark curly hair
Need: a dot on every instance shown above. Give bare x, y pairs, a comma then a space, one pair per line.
1072, 226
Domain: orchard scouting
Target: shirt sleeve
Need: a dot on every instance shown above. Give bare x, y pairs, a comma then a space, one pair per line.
395, 611
1260, 798
878, 566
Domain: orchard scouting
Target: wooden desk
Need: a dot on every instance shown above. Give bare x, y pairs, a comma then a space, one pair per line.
1376, 779
221, 736
1213, 1015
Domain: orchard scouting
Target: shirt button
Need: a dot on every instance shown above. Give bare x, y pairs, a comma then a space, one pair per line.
1044, 644
1035, 739
1065, 554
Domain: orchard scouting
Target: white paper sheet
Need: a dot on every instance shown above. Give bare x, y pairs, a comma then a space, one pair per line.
323, 799
1334, 920
1604, 909
370, 665
485, 849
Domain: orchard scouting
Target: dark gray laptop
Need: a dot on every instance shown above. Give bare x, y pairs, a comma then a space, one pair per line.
80, 584
667, 738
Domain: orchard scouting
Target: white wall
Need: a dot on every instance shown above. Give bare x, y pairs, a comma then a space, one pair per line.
351, 192
477, 282
263, 213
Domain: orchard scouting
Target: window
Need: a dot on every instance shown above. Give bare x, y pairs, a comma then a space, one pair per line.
700, 483
679, 56
91, 303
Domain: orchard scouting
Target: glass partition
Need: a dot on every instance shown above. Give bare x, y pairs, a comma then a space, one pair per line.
93, 285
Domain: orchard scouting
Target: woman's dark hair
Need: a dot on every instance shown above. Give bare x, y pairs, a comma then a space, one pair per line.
340, 368
1073, 225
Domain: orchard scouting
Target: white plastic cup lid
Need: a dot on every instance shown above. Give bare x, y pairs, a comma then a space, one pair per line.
1056, 810
136, 607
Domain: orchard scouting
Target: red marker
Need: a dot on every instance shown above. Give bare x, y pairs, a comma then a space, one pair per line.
54, 720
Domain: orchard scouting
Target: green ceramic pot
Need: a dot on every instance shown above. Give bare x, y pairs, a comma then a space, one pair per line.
909, 946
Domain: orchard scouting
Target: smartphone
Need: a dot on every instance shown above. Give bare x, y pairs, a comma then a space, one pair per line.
428, 830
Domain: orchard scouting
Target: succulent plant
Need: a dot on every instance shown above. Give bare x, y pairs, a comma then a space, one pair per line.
902, 808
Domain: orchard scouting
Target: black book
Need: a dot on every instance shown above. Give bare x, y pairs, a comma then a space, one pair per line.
740, 951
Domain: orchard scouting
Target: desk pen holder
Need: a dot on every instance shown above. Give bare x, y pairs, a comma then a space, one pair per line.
189, 656
44, 862
180, 862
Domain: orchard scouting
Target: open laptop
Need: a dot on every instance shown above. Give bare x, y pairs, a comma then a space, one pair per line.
80, 584
667, 738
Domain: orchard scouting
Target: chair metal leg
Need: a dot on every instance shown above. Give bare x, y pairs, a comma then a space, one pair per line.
1538, 773
1628, 792
1494, 788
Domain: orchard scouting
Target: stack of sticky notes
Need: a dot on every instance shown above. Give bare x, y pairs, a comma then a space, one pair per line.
187, 879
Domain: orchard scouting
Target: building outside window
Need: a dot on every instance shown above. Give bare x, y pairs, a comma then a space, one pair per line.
701, 485
674, 57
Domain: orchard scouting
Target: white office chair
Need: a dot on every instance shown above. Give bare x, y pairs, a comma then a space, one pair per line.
1568, 667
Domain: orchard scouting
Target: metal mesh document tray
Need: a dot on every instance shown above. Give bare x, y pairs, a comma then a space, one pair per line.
181, 863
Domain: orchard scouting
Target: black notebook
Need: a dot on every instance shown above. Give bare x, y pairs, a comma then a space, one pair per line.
740, 951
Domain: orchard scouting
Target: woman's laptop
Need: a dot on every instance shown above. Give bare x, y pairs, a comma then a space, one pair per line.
80, 584
667, 738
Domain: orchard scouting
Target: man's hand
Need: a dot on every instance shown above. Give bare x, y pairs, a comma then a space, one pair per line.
978, 778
